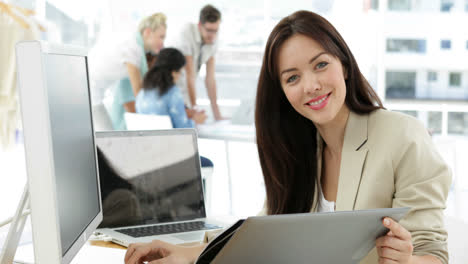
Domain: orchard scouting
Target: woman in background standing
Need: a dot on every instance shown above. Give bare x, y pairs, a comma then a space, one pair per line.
120, 68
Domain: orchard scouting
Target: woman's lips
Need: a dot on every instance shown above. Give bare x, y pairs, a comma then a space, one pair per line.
318, 102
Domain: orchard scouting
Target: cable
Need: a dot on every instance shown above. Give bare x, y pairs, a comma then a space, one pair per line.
8, 220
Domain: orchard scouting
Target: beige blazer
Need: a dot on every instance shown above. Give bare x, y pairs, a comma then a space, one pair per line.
389, 160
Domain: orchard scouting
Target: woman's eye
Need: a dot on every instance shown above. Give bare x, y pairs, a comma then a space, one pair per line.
322, 65
292, 79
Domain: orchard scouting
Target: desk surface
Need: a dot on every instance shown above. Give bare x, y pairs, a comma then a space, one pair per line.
225, 130
109, 244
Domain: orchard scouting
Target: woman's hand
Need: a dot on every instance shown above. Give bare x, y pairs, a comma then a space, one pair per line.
158, 252
396, 246
199, 117
190, 112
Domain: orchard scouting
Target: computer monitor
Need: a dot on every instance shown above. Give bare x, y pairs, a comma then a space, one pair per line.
59, 147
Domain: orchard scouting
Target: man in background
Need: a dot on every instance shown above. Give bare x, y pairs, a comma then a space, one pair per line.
198, 43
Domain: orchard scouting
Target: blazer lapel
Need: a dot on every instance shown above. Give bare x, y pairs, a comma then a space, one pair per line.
319, 171
353, 156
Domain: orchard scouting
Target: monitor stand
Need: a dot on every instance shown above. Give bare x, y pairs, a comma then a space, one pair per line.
16, 229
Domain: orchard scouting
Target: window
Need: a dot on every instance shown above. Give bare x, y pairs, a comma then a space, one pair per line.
434, 122
458, 123
406, 45
445, 44
467, 44
400, 85
446, 5
408, 112
399, 5
455, 79
370, 5
72, 31
432, 76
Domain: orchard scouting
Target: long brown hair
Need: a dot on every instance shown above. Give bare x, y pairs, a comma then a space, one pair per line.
286, 140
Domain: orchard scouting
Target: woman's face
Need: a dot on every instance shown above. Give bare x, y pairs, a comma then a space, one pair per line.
312, 79
154, 39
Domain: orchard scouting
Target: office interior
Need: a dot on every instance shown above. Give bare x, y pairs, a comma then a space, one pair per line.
412, 52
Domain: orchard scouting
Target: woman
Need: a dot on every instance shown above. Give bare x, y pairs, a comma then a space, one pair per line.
326, 143
120, 67
160, 95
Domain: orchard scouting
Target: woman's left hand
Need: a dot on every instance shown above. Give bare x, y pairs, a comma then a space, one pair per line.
396, 246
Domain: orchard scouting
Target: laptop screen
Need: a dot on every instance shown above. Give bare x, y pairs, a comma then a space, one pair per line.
149, 177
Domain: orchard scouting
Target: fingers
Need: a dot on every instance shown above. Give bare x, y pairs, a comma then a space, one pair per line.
394, 243
387, 261
163, 261
139, 252
396, 229
396, 246
130, 250
159, 261
159, 252
388, 253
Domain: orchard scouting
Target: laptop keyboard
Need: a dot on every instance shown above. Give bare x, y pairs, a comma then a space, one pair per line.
167, 229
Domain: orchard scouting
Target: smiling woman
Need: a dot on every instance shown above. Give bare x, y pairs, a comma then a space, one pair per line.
317, 81
327, 143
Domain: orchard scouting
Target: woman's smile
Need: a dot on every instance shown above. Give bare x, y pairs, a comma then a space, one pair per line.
318, 102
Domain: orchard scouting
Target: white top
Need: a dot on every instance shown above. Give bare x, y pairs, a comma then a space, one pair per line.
190, 44
107, 63
324, 205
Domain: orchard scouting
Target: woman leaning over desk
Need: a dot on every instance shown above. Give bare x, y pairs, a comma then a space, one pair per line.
326, 143
120, 67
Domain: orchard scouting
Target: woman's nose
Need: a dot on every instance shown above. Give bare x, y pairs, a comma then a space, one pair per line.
311, 84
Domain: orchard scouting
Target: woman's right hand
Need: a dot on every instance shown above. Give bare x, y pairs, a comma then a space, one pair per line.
157, 252
199, 117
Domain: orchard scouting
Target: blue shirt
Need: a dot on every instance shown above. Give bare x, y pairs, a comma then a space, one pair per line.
148, 101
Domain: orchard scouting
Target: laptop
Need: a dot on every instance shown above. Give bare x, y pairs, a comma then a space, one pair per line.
151, 186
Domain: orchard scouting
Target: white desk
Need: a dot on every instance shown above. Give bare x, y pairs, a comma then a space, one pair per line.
225, 131
92, 251
87, 254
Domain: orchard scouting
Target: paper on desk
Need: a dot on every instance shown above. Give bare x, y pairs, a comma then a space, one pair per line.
87, 254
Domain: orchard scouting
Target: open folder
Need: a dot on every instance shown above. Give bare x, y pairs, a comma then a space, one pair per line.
336, 237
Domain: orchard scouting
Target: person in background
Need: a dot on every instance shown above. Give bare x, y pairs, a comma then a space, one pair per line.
120, 68
326, 144
160, 95
198, 42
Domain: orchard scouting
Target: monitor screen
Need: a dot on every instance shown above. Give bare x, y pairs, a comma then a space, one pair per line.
72, 144
149, 177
